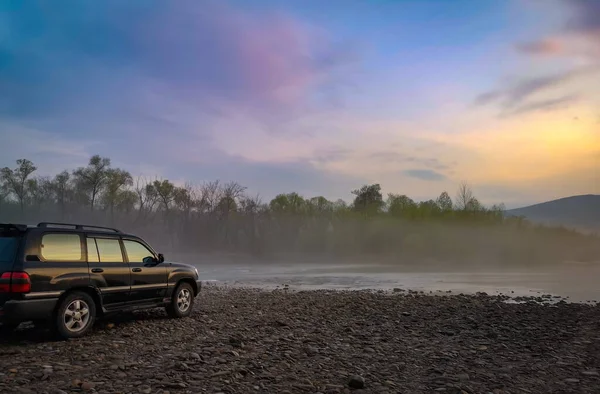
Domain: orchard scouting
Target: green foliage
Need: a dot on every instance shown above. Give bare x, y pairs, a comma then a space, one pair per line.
291, 204
444, 202
368, 200
222, 217
320, 206
115, 193
401, 206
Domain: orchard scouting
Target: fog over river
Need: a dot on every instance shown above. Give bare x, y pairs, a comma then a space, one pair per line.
578, 282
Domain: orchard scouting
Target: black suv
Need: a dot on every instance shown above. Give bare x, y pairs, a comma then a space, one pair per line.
68, 274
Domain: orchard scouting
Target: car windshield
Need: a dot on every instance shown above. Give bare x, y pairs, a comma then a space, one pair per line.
8, 248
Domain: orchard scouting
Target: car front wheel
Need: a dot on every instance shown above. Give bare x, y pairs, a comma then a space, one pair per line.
75, 315
182, 301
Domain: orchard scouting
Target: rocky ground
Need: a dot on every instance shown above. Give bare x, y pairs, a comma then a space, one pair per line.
252, 341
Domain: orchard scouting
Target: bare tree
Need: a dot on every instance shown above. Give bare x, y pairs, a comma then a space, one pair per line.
91, 179
464, 196
61, 188
40, 191
4, 193
126, 201
185, 199
231, 192
166, 193
117, 181
147, 197
210, 195
250, 205
16, 180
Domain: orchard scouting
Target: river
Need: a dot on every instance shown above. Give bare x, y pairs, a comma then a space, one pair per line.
578, 282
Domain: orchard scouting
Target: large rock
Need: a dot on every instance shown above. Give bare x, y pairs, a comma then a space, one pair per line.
356, 382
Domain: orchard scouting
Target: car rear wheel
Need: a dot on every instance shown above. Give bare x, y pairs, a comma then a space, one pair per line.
182, 301
75, 315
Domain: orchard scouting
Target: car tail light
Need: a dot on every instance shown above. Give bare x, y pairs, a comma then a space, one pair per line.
5, 282
15, 282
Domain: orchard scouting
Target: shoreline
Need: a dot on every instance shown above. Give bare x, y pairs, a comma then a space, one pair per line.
508, 295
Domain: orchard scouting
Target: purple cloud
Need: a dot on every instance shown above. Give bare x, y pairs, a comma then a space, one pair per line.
262, 62
517, 98
545, 105
586, 18
132, 55
543, 47
584, 22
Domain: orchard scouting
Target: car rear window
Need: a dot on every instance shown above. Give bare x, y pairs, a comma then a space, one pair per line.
8, 250
61, 247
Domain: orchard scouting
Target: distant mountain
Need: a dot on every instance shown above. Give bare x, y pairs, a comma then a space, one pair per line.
580, 212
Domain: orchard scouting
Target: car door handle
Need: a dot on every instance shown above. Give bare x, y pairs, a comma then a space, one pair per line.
97, 270
136, 270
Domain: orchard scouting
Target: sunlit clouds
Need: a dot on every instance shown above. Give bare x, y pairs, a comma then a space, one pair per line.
277, 97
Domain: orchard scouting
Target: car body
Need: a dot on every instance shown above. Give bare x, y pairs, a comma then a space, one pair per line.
83, 272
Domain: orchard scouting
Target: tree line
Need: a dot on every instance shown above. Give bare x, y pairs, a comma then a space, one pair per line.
217, 216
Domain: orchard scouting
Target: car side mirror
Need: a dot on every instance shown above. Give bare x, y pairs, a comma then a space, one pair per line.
161, 258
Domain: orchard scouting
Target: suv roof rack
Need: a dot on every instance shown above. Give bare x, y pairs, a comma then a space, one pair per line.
78, 226
11, 226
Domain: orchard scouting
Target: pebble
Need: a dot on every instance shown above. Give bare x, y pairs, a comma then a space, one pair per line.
250, 341
590, 373
356, 382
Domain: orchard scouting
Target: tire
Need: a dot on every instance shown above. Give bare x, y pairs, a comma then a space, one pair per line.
71, 320
182, 301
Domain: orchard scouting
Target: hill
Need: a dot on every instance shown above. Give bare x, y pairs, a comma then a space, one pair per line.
580, 212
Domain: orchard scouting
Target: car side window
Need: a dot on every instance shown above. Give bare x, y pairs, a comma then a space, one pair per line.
92, 250
136, 252
61, 247
109, 250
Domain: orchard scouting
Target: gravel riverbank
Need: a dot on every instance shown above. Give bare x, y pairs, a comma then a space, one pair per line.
245, 341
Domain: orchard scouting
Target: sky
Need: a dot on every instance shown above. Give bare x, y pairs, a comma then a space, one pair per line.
310, 96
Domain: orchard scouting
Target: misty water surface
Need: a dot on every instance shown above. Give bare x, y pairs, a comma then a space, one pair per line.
577, 281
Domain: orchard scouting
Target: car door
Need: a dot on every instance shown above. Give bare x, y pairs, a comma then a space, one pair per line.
108, 269
148, 276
